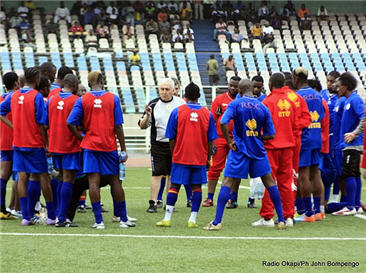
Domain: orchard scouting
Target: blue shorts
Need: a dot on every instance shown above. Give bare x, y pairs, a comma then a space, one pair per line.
187, 174
33, 161
104, 163
309, 157
338, 161
327, 162
238, 165
67, 161
6, 156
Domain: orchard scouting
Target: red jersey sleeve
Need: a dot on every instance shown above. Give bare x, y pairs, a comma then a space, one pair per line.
325, 129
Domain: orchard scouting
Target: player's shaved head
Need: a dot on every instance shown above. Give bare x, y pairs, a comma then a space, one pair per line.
70, 80
277, 80
246, 87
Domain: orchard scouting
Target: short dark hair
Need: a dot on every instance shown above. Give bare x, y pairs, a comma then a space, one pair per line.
235, 78
277, 80
258, 78
288, 80
192, 91
9, 79
47, 67
334, 74
44, 82
31, 74
63, 71
315, 84
212, 56
348, 80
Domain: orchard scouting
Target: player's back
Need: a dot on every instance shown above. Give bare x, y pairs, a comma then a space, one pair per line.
251, 119
338, 113
311, 136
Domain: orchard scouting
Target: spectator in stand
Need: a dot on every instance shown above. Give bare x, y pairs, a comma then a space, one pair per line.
99, 8
250, 15
15, 20
164, 25
30, 5
62, 13
322, 14
150, 9
172, 6
128, 30
102, 30
161, 5
24, 25
27, 40
138, 6
269, 42
2, 15
23, 11
134, 59
291, 8
113, 17
151, 27
139, 18
174, 15
276, 21
185, 12
256, 31
213, 70
177, 25
198, 9
76, 30
166, 36
188, 34
89, 17
129, 14
236, 36
229, 64
217, 14
267, 29
263, 11
76, 8
178, 37
91, 39
111, 8
304, 16
163, 15
220, 28
102, 16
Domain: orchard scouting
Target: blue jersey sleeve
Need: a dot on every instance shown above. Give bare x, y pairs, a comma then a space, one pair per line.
171, 128
118, 116
77, 113
47, 109
40, 109
212, 133
268, 126
229, 113
5, 106
358, 107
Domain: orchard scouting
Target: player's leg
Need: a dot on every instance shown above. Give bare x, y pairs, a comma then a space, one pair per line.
94, 195
188, 189
80, 186
33, 192
154, 190
233, 200
198, 177
161, 192
6, 166
217, 165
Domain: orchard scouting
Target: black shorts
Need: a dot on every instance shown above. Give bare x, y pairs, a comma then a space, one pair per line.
161, 158
351, 163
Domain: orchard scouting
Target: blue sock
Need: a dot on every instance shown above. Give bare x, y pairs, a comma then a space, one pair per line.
172, 196
24, 206
66, 195
188, 189
234, 196
308, 206
300, 206
222, 199
210, 196
58, 204
54, 185
196, 200
316, 205
336, 186
343, 198
351, 186
162, 187
333, 207
51, 212
97, 209
124, 212
276, 200
2, 193
358, 192
33, 194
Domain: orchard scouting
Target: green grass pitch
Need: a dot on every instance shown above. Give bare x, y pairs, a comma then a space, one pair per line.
83, 253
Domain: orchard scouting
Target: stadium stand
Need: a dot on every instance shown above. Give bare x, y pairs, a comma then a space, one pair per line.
337, 44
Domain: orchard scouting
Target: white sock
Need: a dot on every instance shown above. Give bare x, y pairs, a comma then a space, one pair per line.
193, 216
38, 206
322, 209
168, 212
334, 198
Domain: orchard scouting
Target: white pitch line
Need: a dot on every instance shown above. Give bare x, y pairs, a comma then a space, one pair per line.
361, 216
183, 237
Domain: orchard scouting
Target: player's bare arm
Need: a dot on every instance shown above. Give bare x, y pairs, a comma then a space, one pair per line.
225, 132
144, 123
6, 121
172, 144
74, 130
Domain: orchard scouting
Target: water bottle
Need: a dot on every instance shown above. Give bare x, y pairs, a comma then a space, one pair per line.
122, 170
259, 189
